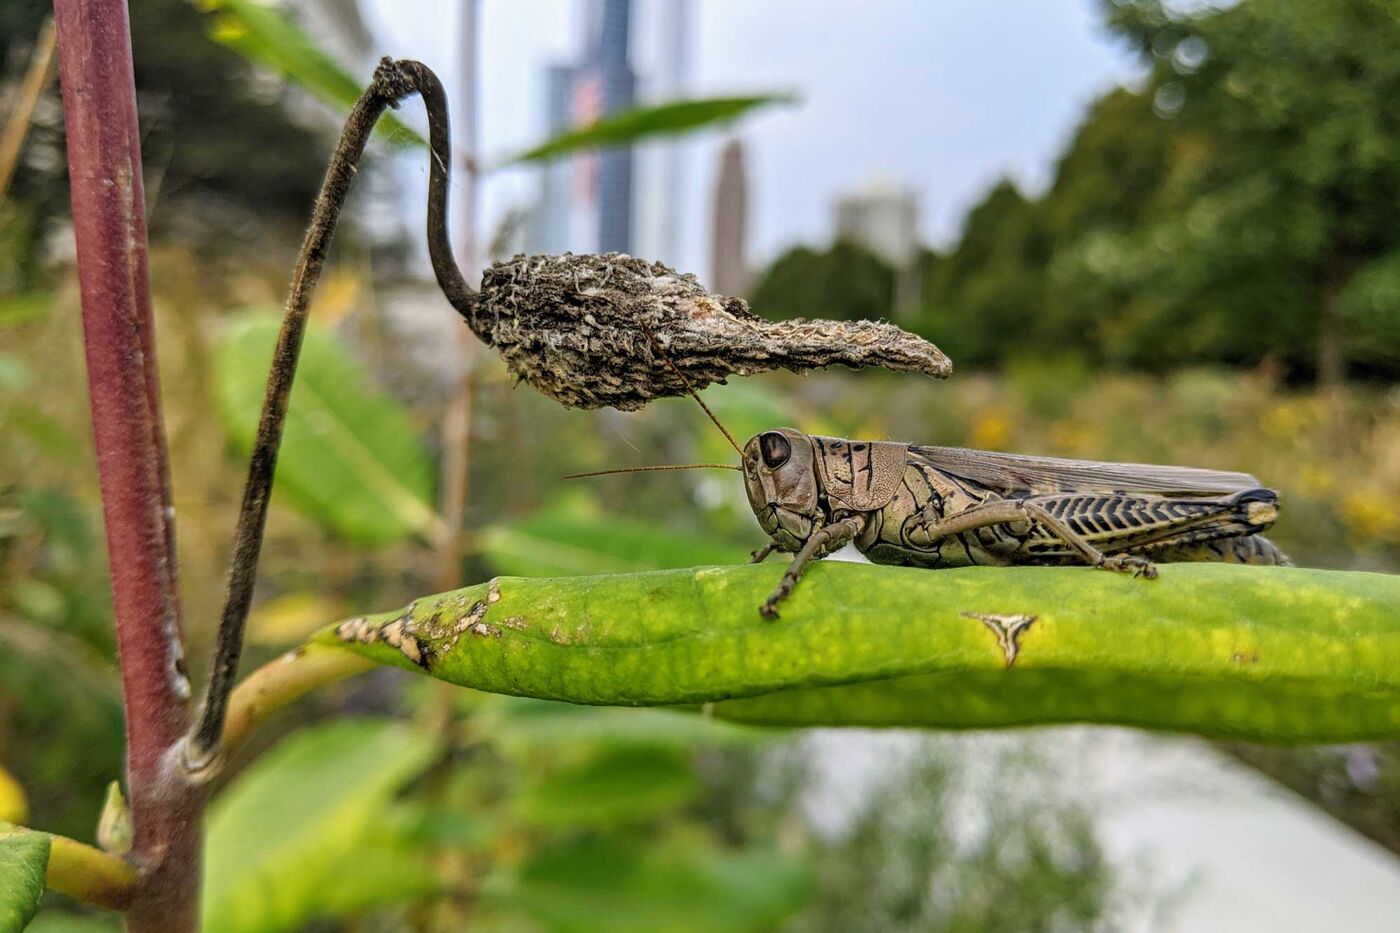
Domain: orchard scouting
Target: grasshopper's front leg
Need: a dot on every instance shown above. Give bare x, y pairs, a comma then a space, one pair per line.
822, 542
760, 555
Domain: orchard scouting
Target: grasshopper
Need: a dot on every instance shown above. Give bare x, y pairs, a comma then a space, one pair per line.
935, 507
953, 507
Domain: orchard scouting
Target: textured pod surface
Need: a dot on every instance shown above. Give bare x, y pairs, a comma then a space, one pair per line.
1272, 654
586, 330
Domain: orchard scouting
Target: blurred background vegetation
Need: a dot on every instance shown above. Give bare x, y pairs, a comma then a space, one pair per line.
1212, 278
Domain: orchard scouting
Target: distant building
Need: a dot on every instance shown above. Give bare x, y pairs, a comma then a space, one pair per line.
585, 204
618, 89
884, 219
669, 79
551, 216
729, 272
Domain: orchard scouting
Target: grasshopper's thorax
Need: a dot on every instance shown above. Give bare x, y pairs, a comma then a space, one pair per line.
780, 478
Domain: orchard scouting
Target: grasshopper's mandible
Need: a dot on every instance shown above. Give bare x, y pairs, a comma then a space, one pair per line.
953, 507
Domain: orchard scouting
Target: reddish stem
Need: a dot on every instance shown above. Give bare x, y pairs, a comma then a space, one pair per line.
104, 159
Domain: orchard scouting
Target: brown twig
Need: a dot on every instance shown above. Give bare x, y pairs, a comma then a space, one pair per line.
41, 68
104, 159
393, 81
456, 433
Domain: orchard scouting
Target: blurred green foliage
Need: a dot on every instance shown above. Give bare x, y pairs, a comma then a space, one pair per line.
1236, 208
263, 34
1032, 864
844, 282
311, 829
350, 455
225, 162
576, 537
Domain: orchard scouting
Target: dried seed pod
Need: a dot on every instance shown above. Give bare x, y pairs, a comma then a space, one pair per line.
586, 330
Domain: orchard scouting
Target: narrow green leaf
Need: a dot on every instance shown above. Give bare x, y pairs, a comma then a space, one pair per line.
301, 833
24, 859
617, 785
669, 119
350, 457
1275, 654
559, 543
264, 35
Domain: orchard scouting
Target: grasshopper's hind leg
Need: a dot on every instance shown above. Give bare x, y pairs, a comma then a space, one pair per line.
1123, 563
1018, 511
822, 542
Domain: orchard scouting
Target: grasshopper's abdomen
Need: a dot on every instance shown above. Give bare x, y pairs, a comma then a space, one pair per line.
913, 529
1127, 523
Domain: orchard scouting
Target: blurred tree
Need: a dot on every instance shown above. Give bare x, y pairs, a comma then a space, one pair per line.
223, 157
985, 299
1277, 214
845, 282
906, 862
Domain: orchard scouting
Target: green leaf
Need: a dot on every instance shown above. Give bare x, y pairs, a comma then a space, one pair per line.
350, 458
617, 785
556, 542
1274, 654
264, 35
21, 309
617, 884
24, 859
669, 119
302, 833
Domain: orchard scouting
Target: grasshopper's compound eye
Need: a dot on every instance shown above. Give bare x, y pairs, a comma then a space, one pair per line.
775, 449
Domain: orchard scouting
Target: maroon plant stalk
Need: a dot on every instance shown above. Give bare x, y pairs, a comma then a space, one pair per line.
104, 159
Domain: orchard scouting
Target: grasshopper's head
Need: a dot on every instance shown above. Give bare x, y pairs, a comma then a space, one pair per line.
780, 477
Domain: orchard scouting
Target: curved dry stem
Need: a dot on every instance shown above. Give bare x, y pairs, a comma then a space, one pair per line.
393, 81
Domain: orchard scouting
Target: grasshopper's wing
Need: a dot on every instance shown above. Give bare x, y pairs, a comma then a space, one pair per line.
1016, 475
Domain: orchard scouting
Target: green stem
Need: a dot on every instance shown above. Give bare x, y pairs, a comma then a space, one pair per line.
90, 875
283, 681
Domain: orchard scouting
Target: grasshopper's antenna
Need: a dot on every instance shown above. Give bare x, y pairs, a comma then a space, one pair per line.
652, 469
693, 394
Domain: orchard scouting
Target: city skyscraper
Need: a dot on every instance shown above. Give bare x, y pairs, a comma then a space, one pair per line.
586, 203
618, 87
729, 270
551, 216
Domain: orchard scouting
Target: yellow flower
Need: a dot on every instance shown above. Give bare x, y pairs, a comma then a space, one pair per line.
991, 430
1372, 516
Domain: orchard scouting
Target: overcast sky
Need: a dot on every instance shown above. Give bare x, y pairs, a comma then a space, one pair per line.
945, 96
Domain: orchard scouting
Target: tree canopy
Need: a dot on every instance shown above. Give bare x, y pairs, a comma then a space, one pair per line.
1234, 207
